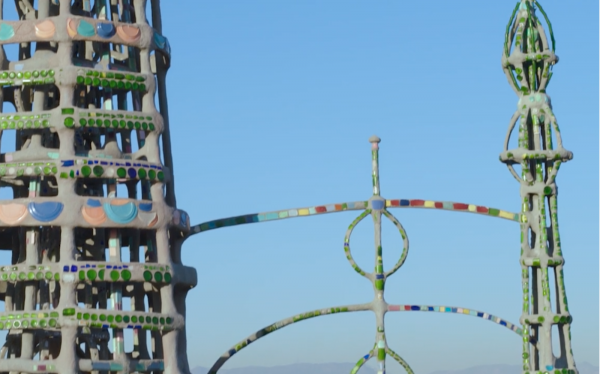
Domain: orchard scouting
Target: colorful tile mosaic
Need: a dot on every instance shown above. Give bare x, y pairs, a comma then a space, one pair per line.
448, 309
458, 207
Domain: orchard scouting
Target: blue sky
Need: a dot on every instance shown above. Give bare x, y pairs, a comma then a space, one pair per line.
271, 107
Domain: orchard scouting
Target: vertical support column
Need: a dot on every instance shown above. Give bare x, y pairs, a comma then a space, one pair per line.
527, 61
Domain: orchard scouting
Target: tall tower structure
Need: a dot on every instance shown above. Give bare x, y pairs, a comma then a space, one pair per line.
94, 282
527, 60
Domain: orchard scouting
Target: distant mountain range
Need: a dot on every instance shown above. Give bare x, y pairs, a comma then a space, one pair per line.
344, 368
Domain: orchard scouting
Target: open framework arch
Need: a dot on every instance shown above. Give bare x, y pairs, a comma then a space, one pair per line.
378, 208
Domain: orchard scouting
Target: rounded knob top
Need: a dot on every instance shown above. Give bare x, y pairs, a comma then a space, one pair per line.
374, 139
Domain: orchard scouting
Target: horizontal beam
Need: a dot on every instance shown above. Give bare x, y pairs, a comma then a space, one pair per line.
356, 205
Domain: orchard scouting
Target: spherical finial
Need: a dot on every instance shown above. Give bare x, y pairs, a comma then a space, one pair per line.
374, 139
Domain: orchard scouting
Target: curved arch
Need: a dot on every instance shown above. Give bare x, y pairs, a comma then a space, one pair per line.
456, 310
362, 361
399, 359
280, 324
452, 206
277, 215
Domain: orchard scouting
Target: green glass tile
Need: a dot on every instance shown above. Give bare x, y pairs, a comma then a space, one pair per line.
118, 319
148, 319
110, 318
169, 320
94, 317
126, 275
121, 172
98, 170
147, 276
101, 274
67, 111
167, 277
114, 275
91, 274
158, 276
52, 323
102, 317
69, 312
151, 174
155, 320
56, 276
161, 176
134, 319
22, 276
69, 122
126, 319
48, 275
142, 173
86, 316
30, 276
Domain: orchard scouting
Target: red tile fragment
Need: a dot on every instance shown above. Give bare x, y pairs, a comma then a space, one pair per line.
395, 202
482, 209
439, 205
460, 206
320, 209
417, 202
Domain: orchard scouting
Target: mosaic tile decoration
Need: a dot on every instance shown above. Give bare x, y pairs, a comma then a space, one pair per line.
377, 208
88, 87
457, 310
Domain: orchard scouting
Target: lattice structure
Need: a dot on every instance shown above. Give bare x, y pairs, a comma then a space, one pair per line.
93, 229
527, 61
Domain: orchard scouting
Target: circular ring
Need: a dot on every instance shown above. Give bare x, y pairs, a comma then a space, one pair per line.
396, 223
